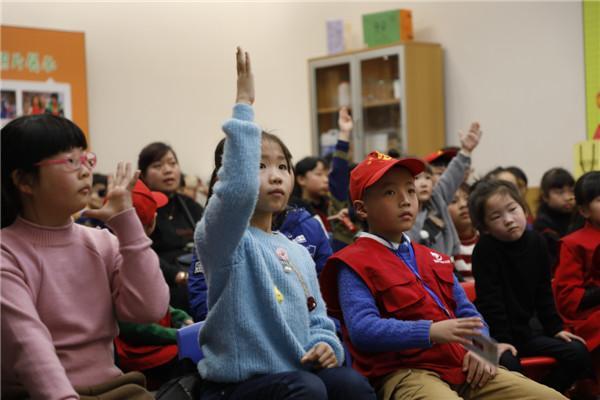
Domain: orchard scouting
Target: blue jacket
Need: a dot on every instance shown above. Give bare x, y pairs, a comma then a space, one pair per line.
305, 229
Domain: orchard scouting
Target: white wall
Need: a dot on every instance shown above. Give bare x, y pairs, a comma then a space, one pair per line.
160, 71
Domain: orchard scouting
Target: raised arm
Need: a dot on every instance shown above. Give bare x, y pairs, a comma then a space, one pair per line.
231, 206
454, 175
138, 288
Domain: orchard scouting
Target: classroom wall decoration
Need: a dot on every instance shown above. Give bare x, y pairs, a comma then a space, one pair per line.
43, 71
591, 29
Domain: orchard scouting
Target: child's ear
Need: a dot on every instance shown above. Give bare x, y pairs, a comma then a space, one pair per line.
360, 208
584, 211
23, 181
301, 180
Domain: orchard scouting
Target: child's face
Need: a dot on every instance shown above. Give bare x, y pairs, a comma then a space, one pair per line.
424, 185
437, 170
561, 199
504, 218
591, 211
97, 196
315, 183
390, 205
276, 179
459, 211
60, 189
507, 177
164, 175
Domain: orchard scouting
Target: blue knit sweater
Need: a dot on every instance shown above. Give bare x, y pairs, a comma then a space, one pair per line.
258, 321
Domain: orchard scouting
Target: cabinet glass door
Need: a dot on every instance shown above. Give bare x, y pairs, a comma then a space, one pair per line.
332, 92
381, 103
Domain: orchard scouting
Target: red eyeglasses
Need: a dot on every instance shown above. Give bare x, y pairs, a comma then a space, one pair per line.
73, 163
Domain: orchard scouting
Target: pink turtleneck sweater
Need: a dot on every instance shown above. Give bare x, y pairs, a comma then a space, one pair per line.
63, 289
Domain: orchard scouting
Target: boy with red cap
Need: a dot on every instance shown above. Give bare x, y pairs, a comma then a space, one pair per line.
404, 315
151, 348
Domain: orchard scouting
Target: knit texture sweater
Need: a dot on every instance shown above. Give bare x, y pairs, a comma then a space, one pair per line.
512, 282
63, 289
258, 320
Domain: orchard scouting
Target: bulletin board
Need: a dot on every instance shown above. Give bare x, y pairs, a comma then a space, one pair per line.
591, 38
43, 71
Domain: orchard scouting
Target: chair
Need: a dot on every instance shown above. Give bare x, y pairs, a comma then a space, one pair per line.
534, 368
188, 342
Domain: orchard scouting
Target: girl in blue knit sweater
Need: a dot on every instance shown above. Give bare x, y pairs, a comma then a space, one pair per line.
266, 335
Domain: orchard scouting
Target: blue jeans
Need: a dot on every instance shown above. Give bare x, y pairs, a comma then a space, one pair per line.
332, 383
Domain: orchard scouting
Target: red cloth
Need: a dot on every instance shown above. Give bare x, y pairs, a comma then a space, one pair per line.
578, 268
142, 357
399, 294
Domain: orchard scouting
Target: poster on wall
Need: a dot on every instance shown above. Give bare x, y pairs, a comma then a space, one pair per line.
32, 98
591, 33
43, 71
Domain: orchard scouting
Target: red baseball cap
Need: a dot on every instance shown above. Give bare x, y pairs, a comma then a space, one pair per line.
146, 202
442, 155
372, 168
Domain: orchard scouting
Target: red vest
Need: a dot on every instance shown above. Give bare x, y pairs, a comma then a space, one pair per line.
399, 294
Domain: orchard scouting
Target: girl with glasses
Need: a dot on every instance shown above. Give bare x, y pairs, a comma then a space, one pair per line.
64, 285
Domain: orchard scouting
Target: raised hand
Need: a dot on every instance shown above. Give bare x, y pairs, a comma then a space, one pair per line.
321, 355
345, 124
470, 140
458, 330
118, 193
245, 79
479, 372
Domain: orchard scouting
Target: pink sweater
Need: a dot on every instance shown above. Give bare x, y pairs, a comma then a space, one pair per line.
63, 290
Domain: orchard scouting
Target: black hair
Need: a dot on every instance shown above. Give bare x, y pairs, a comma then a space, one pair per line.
587, 188
555, 178
393, 153
482, 190
219, 159
152, 153
26, 141
304, 166
518, 173
493, 174
99, 178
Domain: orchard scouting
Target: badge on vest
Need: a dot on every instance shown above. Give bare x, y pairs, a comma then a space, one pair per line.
437, 258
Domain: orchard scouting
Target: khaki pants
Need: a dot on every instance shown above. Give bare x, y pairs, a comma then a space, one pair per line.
130, 386
419, 384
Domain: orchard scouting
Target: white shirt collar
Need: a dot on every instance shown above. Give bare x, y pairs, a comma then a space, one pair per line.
390, 245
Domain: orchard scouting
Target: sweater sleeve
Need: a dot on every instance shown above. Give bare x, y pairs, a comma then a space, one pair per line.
369, 332
452, 177
147, 334
27, 345
339, 178
231, 206
490, 300
139, 291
